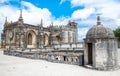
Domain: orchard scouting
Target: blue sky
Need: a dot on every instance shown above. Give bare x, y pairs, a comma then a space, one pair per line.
84, 12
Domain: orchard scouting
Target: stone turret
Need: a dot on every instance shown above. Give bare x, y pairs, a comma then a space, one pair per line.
101, 47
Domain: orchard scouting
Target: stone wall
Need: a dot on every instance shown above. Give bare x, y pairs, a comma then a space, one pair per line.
105, 54
101, 54
64, 56
72, 45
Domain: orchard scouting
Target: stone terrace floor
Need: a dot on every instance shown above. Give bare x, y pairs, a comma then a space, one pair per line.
16, 66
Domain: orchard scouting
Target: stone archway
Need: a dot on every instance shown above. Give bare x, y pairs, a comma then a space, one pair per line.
31, 41
46, 40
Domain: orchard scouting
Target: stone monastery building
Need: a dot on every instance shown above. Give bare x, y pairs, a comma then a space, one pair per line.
21, 35
60, 44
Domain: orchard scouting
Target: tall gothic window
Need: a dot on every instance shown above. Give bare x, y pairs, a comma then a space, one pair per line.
46, 40
29, 39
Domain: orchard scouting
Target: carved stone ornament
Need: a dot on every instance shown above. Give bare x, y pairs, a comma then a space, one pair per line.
10, 34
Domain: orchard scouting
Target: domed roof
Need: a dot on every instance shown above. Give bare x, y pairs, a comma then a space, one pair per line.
99, 31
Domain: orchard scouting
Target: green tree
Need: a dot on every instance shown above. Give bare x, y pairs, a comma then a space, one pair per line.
117, 33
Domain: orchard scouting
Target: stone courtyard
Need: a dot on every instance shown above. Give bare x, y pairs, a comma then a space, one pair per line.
17, 66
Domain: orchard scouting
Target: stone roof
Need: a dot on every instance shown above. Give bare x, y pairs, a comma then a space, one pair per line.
100, 31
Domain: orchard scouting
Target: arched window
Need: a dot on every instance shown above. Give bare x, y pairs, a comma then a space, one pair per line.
46, 40
29, 39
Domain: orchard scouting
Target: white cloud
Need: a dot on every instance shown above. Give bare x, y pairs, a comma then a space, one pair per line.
118, 21
2, 1
83, 13
86, 2
61, 20
82, 33
33, 14
6, 11
108, 9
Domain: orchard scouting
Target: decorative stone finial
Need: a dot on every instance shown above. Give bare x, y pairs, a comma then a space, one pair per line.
41, 22
21, 13
5, 19
98, 20
52, 23
6, 22
20, 18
